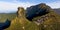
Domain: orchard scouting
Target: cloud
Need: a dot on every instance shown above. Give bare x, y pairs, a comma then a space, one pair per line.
54, 4
11, 6
6, 7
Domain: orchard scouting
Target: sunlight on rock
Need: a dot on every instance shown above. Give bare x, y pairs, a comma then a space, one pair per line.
23, 27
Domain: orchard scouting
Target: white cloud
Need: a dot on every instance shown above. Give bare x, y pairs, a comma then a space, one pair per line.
10, 6
7, 7
54, 4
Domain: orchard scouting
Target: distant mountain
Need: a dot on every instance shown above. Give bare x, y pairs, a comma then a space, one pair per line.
7, 12
57, 10
4, 16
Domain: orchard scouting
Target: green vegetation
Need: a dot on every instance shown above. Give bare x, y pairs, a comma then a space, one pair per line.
4, 16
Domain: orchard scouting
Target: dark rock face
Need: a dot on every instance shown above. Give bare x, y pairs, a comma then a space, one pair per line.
37, 10
5, 25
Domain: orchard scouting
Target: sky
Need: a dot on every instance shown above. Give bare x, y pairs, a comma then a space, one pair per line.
8, 6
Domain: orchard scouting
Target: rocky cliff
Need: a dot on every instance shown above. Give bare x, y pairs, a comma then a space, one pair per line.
37, 10
44, 15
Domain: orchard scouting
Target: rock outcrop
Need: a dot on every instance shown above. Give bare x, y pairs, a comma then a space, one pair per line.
37, 10
20, 11
21, 23
44, 16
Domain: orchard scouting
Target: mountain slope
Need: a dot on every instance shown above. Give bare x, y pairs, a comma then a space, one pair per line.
40, 20
21, 23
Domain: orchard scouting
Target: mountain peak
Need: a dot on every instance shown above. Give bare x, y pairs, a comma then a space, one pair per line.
37, 10
20, 11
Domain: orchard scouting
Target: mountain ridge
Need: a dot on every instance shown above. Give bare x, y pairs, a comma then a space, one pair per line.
45, 21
